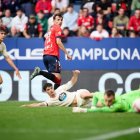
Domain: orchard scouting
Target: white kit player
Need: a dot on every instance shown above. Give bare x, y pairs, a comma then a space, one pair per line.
3, 51
62, 97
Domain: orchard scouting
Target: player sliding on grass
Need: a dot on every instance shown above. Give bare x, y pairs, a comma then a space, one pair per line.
51, 53
62, 97
3, 51
108, 102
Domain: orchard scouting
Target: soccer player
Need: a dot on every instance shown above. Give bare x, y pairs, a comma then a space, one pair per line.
62, 97
3, 51
51, 53
108, 102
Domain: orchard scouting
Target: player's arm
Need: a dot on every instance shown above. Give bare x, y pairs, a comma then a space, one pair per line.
70, 83
11, 63
117, 107
36, 105
103, 109
25, 32
75, 77
61, 46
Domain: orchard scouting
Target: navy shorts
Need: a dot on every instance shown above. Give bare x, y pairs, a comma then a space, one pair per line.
52, 63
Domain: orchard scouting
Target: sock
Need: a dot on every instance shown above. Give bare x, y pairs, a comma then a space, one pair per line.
51, 77
57, 82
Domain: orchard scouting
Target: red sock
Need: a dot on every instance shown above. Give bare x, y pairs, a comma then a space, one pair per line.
57, 80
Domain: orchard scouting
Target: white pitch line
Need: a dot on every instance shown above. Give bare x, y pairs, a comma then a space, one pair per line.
61, 131
114, 134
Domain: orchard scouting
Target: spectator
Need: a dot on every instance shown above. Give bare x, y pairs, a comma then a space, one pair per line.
107, 11
132, 34
99, 33
7, 19
100, 19
70, 19
4, 27
106, 6
89, 4
134, 22
114, 7
96, 8
124, 4
115, 33
32, 28
45, 6
18, 23
83, 32
66, 32
27, 6
13, 5
135, 5
61, 4
121, 22
43, 21
86, 20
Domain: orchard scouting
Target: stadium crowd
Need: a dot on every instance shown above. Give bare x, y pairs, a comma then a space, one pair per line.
96, 19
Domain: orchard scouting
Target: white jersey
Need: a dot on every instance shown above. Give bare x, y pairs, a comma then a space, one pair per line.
63, 97
3, 49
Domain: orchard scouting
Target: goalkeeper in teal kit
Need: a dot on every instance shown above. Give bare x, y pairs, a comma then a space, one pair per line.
109, 102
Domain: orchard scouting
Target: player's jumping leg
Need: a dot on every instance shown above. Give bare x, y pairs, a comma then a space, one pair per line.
37, 71
52, 77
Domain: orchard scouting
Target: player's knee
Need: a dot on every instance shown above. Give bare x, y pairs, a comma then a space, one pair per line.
85, 94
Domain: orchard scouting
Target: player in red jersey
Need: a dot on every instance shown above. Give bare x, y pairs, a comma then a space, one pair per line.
51, 53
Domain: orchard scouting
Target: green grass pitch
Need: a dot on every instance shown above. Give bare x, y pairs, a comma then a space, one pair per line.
59, 123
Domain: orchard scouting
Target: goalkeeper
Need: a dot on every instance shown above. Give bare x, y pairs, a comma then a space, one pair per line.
109, 102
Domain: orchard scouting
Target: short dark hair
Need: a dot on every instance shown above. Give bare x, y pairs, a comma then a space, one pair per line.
2, 29
84, 8
46, 85
41, 11
57, 15
56, 9
100, 24
70, 5
109, 93
19, 9
67, 28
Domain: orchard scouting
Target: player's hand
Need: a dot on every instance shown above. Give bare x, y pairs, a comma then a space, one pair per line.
69, 57
18, 74
28, 37
23, 106
76, 72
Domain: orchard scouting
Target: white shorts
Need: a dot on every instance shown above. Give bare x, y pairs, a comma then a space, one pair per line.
80, 101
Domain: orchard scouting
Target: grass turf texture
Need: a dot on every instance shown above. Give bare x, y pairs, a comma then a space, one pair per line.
59, 123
